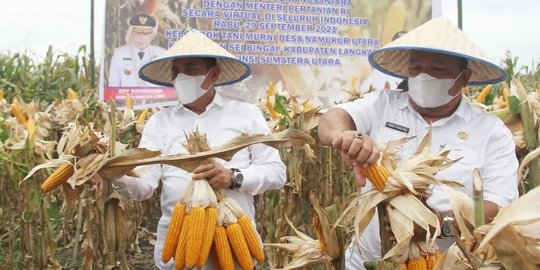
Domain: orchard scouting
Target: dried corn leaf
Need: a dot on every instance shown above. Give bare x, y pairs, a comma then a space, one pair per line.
330, 236
400, 252
414, 209
366, 210
87, 167
453, 258
463, 208
55, 163
71, 196
526, 210
525, 162
402, 227
515, 250
517, 89
306, 250
287, 138
424, 148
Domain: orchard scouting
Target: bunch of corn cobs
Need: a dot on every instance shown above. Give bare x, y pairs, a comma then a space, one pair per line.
199, 223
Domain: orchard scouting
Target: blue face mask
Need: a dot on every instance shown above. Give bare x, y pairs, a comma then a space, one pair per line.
429, 92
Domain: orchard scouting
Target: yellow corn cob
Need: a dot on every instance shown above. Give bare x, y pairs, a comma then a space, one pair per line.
31, 128
129, 102
270, 106
353, 82
223, 249
481, 98
195, 234
437, 255
239, 246
402, 266
252, 239
271, 89
18, 113
72, 95
180, 253
1, 94
377, 175
209, 229
58, 177
173, 232
319, 233
142, 116
417, 264
501, 104
506, 94
308, 106
431, 261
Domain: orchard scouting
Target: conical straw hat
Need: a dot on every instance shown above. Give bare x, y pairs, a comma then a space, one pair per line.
195, 44
438, 35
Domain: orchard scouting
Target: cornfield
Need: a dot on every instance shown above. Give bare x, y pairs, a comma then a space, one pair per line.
39, 230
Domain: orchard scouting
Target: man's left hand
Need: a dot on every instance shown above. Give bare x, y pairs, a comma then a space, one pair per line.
218, 176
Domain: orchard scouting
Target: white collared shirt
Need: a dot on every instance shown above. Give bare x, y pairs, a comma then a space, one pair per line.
223, 120
125, 65
478, 138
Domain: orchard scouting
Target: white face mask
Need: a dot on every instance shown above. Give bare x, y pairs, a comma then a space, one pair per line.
188, 88
429, 92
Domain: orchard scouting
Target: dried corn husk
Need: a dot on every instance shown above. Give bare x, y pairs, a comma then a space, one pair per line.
511, 241
122, 164
305, 249
408, 180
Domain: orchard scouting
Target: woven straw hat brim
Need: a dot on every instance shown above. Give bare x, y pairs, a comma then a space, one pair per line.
193, 45
438, 35
159, 71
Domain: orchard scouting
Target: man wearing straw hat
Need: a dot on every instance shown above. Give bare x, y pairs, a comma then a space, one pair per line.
194, 65
438, 60
127, 59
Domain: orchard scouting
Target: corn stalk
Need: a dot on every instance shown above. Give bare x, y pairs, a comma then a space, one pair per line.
530, 127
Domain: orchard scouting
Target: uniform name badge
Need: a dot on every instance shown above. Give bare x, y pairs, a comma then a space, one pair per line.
397, 127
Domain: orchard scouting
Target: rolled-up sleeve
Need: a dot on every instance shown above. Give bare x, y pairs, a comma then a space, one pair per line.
364, 111
499, 173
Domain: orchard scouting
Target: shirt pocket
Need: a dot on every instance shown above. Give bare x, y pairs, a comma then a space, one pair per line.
384, 134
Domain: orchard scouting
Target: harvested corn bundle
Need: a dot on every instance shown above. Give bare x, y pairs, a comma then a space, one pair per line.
397, 189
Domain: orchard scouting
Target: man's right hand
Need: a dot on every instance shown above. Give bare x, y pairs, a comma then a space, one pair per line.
97, 181
357, 151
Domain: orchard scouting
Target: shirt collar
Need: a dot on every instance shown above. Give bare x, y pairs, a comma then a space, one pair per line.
463, 110
137, 49
217, 101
